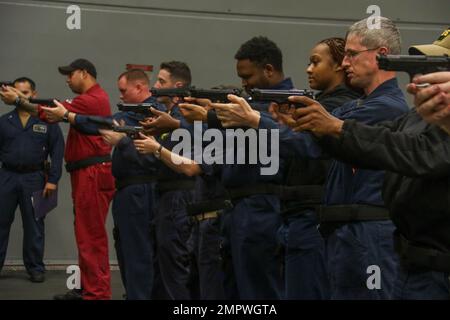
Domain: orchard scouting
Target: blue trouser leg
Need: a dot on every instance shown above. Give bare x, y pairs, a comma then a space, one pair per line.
173, 230
209, 262
305, 267
33, 229
229, 277
421, 285
254, 224
159, 290
133, 213
361, 261
194, 276
119, 253
9, 199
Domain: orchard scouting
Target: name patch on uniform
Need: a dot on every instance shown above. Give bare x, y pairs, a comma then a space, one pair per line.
40, 128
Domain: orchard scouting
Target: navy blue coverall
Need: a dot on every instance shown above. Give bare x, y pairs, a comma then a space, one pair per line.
172, 225
355, 248
253, 224
23, 151
205, 238
304, 264
416, 157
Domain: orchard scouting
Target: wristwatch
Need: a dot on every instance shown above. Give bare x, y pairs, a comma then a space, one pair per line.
158, 152
65, 117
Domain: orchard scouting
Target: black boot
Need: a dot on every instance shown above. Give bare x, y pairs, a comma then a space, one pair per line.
74, 294
37, 277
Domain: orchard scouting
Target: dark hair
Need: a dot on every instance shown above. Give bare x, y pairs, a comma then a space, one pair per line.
178, 71
135, 74
261, 51
336, 47
337, 52
25, 79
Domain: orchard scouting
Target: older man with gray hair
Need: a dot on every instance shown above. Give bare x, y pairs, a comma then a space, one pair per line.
416, 157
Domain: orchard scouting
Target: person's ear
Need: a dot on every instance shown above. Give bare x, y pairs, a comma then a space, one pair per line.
383, 50
268, 70
138, 87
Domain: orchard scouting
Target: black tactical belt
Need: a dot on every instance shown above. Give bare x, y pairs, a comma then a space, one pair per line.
351, 213
128, 181
308, 194
296, 210
419, 258
237, 193
193, 209
175, 185
24, 168
77, 165
334, 217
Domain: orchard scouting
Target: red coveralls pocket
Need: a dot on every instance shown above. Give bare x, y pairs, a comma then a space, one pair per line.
105, 179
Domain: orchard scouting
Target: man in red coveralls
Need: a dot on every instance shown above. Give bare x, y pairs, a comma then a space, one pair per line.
89, 162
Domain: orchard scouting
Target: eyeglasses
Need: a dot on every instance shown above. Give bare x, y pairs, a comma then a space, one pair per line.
352, 54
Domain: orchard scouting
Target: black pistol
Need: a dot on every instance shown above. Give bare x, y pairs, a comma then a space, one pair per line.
142, 108
215, 95
131, 131
6, 83
43, 102
413, 65
279, 96
107, 123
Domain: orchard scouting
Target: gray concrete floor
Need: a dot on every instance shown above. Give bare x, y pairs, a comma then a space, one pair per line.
14, 285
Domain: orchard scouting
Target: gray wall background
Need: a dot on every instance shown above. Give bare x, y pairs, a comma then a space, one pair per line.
203, 33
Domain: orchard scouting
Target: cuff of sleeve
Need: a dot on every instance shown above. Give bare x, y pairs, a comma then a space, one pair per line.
213, 121
52, 179
328, 142
346, 127
124, 143
266, 122
185, 124
80, 119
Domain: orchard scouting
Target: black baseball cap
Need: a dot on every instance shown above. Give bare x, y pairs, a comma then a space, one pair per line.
79, 64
